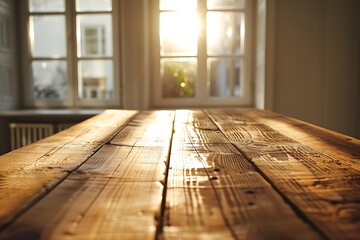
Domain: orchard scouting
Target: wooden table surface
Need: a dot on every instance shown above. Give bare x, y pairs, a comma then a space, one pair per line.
183, 174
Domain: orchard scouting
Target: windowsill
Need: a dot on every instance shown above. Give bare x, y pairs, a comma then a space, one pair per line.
49, 115
51, 112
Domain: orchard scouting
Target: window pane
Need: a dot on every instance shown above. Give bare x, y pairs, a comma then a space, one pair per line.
48, 36
96, 80
94, 35
225, 4
178, 4
178, 77
50, 80
225, 33
46, 5
178, 33
93, 5
225, 78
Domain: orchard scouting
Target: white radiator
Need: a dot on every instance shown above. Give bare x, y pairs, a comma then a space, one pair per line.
22, 134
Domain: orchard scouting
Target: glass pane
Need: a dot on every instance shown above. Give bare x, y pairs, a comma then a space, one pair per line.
93, 5
94, 35
225, 4
50, 80
96, 80
225, 33
48, 36
46, 5
178, 77
178, 33
178, 4
225, 78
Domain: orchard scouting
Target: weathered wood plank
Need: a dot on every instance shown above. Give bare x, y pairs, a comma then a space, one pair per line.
307, 164
116, 194
214, 192
92, 207
30, 172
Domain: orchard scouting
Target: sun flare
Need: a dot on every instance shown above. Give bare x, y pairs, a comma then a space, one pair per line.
179, 32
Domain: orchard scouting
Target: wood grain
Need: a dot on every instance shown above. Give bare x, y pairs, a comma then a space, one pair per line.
116, 194
214, 192
28, 173
184, 174
315, 169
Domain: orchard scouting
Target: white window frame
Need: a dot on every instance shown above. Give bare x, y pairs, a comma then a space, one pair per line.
73, 100
202, 96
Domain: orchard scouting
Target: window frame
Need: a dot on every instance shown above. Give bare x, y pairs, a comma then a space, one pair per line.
202, 97
72, 59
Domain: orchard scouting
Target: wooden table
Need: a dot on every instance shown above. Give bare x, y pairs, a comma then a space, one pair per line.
184, 174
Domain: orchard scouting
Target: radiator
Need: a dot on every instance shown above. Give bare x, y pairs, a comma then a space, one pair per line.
22, 134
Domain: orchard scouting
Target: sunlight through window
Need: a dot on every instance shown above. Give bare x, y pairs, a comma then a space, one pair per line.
179, 31
202, 53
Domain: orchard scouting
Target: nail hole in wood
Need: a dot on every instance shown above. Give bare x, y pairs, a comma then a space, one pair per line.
250, 192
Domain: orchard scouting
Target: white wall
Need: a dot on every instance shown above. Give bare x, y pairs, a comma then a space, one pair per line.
317, 62
134, 53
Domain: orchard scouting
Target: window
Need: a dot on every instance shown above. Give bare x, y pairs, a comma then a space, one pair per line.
202, 51
71, 58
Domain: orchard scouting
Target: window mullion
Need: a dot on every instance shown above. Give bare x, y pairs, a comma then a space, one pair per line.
27, 59
201, 87
72, 61
115, 12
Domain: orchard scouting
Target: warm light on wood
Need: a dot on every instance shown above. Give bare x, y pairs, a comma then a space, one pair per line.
183, 174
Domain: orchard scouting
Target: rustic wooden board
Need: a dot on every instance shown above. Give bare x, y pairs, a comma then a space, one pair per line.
28, 173
315, 169
214, 192
116, 194
92, 207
